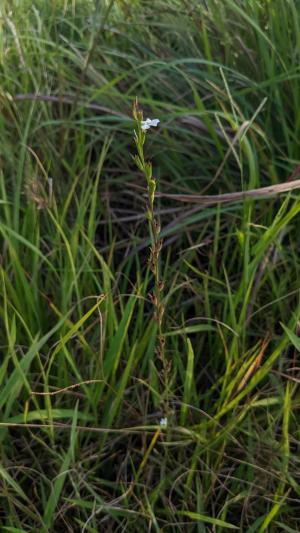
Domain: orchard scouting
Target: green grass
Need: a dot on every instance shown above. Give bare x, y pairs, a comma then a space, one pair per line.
82, 389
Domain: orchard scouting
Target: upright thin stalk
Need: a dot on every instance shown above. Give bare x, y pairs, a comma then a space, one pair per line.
154, 227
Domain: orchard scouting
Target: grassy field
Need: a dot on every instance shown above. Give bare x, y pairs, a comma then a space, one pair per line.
149, 342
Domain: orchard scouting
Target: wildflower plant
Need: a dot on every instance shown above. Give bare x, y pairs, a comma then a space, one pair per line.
141, 127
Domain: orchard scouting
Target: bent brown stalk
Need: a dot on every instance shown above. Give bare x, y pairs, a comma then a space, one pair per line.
210, 199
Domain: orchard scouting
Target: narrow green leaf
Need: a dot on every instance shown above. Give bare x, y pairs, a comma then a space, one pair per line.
188, 382
207, 519
12, 483
293, 338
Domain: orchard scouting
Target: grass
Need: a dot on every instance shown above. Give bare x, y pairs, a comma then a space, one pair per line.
82, 387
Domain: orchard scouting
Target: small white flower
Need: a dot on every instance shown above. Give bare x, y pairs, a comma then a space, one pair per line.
163, 422
148, 123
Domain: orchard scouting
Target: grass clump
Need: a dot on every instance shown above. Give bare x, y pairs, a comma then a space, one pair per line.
114, 418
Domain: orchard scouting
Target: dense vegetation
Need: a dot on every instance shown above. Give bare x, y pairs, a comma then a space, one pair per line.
102, 428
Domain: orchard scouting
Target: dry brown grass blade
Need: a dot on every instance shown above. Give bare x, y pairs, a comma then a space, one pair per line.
262, 192
256, 363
